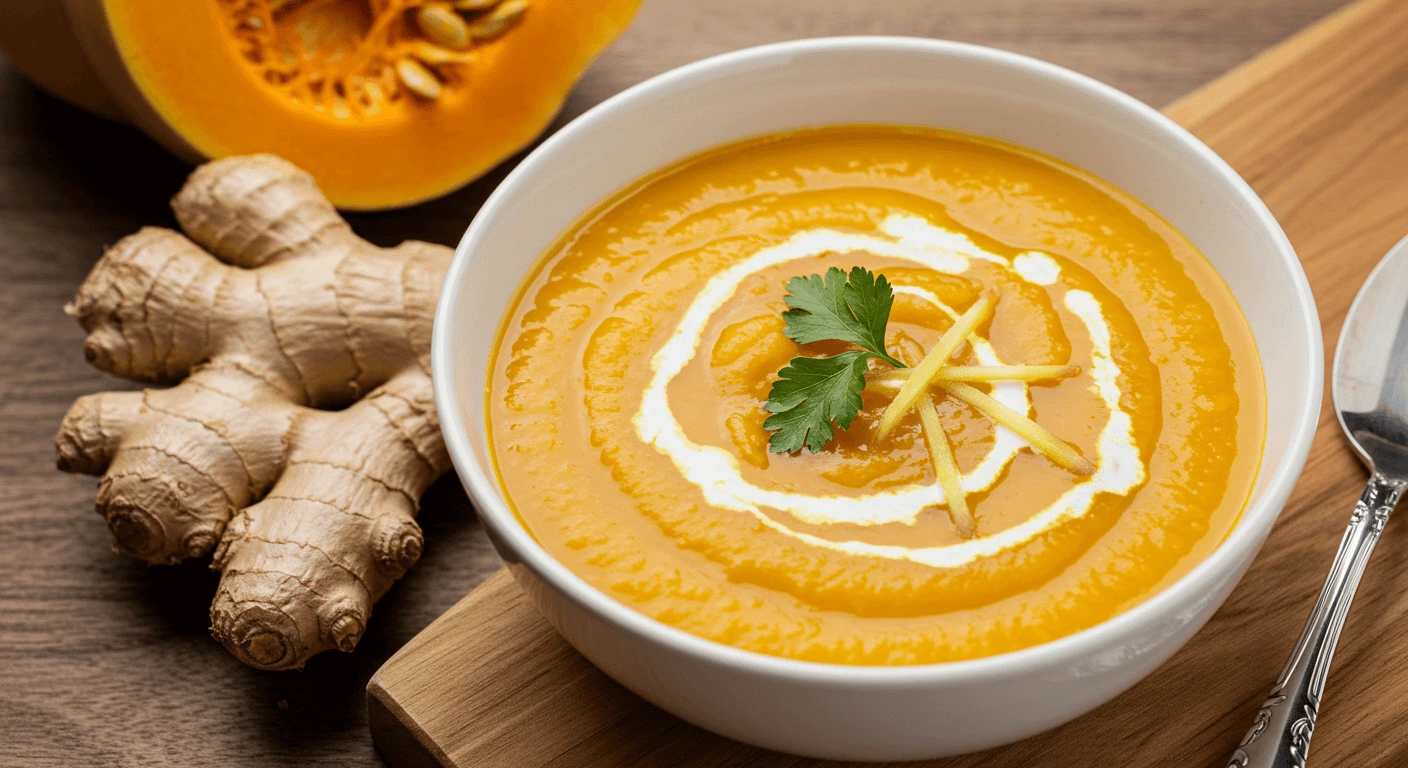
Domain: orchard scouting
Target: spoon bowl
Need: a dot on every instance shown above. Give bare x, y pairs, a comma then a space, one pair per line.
1370, 385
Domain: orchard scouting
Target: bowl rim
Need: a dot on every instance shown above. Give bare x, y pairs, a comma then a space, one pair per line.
1235, 553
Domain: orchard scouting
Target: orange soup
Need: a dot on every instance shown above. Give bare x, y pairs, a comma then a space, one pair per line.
630, 398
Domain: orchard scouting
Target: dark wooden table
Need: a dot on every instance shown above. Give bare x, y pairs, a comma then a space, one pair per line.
105, 661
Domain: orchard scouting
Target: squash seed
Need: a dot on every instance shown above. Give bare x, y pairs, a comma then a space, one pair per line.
419, 80
475, 5
497, 21
442, 26
434, 55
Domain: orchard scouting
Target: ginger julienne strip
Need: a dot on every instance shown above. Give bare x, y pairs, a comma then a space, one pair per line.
1040, 439
945, 468
938, 355
1028, 373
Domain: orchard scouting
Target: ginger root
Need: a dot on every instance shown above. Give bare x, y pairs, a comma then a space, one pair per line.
301, 429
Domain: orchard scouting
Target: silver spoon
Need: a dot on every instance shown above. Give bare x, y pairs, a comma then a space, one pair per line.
1371, 399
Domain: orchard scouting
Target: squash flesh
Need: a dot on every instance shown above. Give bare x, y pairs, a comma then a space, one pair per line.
184, 58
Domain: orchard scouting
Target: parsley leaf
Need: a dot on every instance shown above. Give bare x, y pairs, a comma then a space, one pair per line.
854, 309
811, 393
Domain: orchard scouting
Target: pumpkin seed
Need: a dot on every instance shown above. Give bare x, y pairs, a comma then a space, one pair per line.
419, 80
442, 26
475, 5
497, 21
434, 55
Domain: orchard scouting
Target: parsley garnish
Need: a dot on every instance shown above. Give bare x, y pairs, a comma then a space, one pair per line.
814, 395
813, 392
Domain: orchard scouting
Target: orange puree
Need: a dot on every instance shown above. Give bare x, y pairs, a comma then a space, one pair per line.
626, 400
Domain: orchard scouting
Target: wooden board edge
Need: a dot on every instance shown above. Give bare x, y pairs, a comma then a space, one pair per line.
396, 735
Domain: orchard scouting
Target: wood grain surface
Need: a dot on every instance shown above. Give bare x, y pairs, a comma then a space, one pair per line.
105, 661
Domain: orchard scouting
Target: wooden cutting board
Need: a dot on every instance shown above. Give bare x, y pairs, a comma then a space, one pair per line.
1319, 127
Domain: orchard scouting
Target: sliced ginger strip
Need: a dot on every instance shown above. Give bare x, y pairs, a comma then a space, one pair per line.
985, 373
1045, 443
940, 452
885, 385
918, 381
890, 384
945, 467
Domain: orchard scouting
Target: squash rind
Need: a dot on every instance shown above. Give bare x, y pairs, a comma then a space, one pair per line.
38, 39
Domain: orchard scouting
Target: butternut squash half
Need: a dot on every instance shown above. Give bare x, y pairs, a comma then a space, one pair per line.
385, 102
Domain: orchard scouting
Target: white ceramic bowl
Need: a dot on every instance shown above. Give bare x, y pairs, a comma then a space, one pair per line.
854, 712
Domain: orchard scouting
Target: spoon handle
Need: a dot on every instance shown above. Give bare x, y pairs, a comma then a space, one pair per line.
1280, 735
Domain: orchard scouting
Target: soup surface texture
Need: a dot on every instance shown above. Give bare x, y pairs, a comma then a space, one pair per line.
626, 400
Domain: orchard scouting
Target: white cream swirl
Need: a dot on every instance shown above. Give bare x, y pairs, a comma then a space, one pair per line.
717, 473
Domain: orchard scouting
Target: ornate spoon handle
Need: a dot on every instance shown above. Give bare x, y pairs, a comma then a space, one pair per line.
1280, 736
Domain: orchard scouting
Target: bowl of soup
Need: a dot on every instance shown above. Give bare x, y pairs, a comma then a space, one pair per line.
876, 398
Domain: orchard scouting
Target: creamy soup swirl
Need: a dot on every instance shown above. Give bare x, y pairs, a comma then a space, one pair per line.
716, 471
